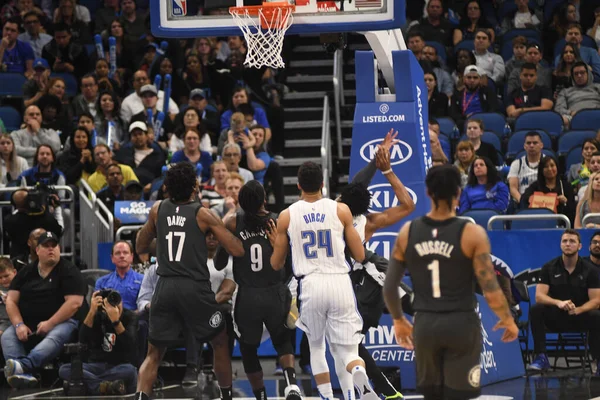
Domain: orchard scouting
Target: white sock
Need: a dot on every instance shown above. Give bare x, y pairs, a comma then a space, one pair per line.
325, 390
345, 378
359, 368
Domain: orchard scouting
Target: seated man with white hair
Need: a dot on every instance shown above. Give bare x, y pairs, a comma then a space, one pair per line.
232, 155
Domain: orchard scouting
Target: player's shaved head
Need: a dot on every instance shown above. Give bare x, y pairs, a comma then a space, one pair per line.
310, 177
181, 181
443, 184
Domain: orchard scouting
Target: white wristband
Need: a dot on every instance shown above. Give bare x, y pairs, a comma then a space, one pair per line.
389, 171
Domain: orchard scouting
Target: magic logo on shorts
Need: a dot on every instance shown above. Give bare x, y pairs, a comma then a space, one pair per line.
383, 347
487, 354
399, 153
381, 243
179, 8
383, 197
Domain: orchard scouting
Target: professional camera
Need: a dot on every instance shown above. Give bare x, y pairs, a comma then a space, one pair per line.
40, 197
75, 386
112, 296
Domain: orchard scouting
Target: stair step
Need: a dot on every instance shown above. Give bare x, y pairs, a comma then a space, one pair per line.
303, 143
309, 78
305, 95
296, 162
310, 48
310, 63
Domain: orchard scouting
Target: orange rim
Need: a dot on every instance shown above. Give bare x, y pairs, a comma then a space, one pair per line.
267, 8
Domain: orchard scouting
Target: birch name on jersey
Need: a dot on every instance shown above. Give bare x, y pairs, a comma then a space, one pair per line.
245, 234
176, 220
314, 217
434, 247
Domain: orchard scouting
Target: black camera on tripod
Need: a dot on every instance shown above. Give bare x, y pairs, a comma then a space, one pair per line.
40, 197
75, 385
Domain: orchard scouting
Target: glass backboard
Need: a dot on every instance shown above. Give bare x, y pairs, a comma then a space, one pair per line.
197, 18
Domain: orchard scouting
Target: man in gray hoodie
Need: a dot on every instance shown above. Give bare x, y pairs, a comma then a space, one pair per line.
32, 135
583, 94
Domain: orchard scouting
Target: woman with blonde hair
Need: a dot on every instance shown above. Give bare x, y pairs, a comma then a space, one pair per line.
11, 165
589, 204
214, 193
465, 155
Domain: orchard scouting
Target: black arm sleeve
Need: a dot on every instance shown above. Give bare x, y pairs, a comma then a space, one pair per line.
365, 175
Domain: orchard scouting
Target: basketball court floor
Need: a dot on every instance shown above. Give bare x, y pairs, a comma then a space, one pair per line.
559, 385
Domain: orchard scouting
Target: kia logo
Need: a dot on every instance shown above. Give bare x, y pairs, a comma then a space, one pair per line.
399, 154
382, 243
383, 197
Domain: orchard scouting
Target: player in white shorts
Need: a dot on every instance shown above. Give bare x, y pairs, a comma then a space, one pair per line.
319, 230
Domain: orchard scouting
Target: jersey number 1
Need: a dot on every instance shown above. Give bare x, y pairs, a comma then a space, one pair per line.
434, 267
169, 237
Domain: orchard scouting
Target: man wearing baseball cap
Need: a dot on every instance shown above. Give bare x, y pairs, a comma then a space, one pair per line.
34, 88
42, 302
146, 161
199, 99
149, 96
474, 98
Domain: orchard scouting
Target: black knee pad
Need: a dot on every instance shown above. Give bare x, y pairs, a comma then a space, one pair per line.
250, 358
282, 344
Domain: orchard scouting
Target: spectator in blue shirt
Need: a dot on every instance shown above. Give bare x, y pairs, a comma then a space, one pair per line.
257, 158
588, 55
191, 152
124, 280
484, 188
240, 96
15, 55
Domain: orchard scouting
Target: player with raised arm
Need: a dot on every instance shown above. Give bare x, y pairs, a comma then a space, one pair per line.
319, 229
183, 300
263, 297
444, 255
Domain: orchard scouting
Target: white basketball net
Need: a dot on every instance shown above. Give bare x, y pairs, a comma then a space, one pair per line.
264, 45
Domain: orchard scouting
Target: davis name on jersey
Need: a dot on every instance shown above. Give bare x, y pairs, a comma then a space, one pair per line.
434, 247
177, 220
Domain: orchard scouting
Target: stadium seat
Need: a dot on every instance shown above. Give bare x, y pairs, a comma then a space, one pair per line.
70, 82
91, 5
549, 8
441, 50
517, 140
481, 216
532, 223
90, 49
586, 119
549, 121
11, 84
493, 122
573, 157
11, 118
447, 126
570, 139
465, 44
488, 137
508, 7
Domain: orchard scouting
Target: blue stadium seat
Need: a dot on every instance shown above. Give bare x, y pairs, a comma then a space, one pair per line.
447, 126
493, 122
441, 50
464, 44
573, 157
549, 8
481, 216
531, 34
70, 82
11, 84
570, 139
91, 5
586, 119
90, 49
488, 137
549, 121
534, 224
517, 141
11, 118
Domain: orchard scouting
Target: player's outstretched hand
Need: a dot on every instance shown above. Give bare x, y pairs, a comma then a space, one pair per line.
382, 160
403, 330
511, 332
389, 140
272, 232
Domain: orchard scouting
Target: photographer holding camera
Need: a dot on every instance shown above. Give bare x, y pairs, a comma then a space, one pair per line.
109, 333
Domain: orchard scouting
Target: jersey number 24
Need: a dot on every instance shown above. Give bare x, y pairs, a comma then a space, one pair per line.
320, 239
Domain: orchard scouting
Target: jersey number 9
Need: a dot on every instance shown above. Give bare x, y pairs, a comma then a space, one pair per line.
321, 239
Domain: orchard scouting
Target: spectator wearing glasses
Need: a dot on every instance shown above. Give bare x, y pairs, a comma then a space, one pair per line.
232, 155
86, 101
594, 257
588, 55
114, 191
132, 104
15, 55
583, 94
33, 34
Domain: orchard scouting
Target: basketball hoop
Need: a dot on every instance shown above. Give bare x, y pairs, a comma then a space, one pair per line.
265, 38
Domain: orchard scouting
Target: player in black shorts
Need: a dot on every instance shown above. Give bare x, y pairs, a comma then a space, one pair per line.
262, 296
183, 301
444, 255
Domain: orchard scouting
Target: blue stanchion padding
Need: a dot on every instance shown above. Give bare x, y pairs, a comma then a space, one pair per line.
373, 118
499, 361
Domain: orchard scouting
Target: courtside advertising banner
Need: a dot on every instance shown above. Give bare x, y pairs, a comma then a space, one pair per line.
374, 116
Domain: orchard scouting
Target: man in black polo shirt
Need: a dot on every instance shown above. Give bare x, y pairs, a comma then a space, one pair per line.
594, 257
41, 303
529, 96
567, 299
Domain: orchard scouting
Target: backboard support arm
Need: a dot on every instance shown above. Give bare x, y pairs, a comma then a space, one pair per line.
383, 43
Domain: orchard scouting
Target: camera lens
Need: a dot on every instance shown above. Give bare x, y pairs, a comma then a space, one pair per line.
113, 298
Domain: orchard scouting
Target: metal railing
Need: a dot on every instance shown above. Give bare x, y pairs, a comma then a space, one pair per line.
528, 217
338, 97
325, 147
470, 219
589, 216
97, 224
70, 219
126, 229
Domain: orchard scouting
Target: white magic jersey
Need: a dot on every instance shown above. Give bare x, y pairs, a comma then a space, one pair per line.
360, 224
316, 238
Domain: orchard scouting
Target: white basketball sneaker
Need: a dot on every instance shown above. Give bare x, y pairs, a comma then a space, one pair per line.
361, 382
